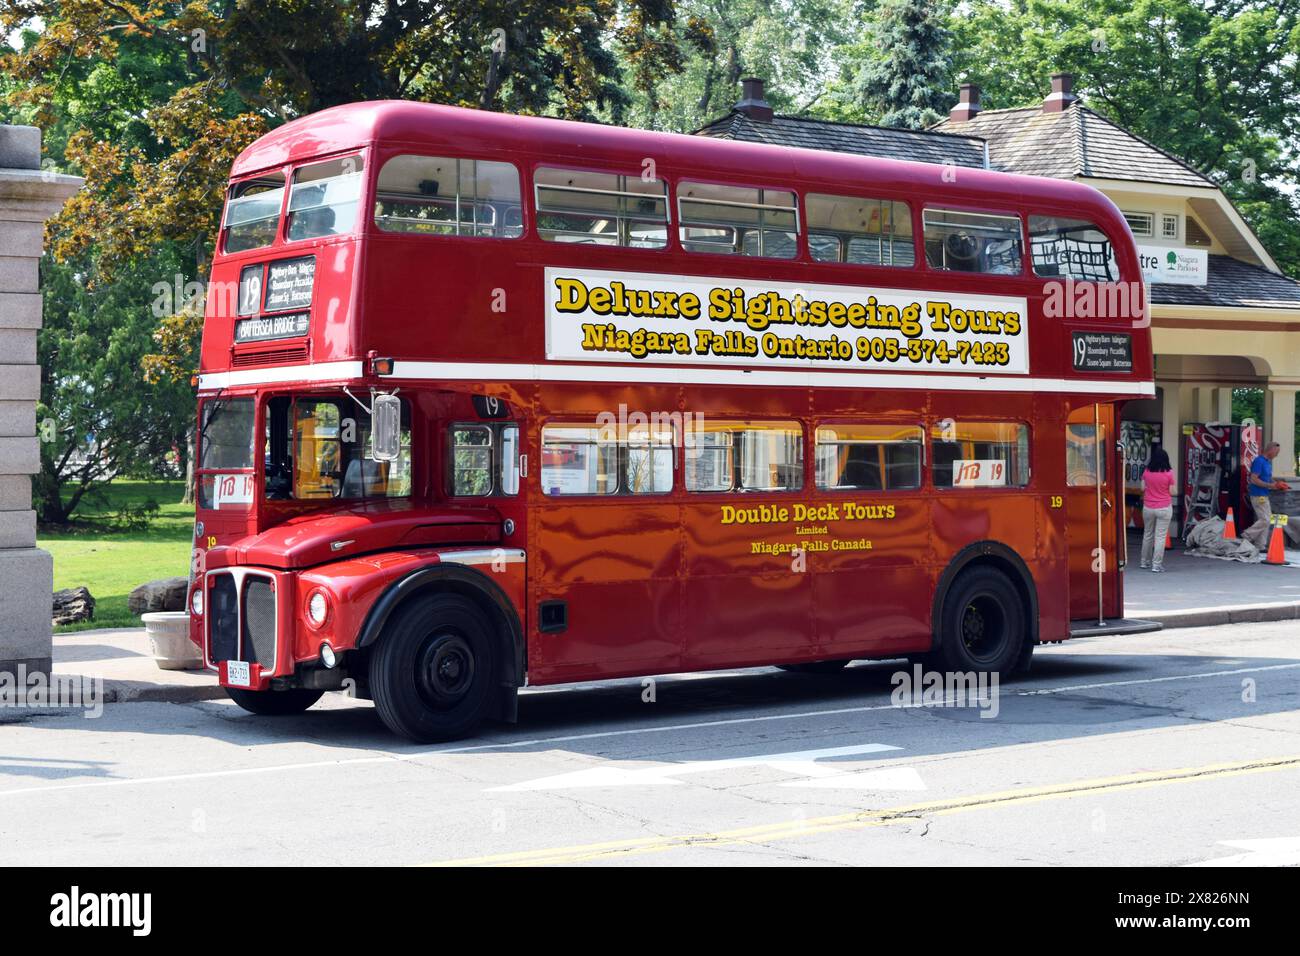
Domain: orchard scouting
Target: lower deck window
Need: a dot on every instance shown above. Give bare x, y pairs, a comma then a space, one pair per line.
484, 460
745, 456
606, 460
980, 454
857, 457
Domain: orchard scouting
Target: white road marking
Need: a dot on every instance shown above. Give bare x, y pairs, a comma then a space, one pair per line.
1277, 851
604, 734
797, 763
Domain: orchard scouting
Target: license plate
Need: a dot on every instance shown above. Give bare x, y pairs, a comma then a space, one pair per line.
237, 673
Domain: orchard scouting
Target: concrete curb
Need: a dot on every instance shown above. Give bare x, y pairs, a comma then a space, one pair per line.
1214, 616
127, 692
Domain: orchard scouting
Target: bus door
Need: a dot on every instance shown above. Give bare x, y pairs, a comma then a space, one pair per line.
1094, 509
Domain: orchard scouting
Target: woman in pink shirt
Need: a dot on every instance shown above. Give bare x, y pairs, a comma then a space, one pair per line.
1157, 508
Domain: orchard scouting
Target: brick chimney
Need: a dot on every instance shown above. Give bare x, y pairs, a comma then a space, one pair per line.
752, 102
968, 105
1062, 96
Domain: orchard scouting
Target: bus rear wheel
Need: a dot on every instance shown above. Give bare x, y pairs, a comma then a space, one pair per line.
432, 670
274, 703
983, 625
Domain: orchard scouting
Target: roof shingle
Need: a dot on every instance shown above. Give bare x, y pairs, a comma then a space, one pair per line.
1075, 142
1232, 283
918, 146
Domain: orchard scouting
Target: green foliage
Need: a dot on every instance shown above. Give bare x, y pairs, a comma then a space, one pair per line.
111, 557
1248, 403
98, 419
900, 76
789, 43
1212, 81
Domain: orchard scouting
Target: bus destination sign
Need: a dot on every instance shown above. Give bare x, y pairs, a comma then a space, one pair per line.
629, 317
1103, 352
272, 327
289, 284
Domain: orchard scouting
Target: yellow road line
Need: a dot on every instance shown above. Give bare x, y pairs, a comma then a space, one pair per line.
790, 829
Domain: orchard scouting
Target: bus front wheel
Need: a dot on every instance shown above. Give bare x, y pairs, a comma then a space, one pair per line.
983, 625
274, 703
432, 670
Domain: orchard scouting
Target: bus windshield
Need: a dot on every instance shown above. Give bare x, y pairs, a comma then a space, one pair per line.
318, 447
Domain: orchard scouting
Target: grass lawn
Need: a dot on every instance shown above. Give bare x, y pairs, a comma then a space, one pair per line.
111, 561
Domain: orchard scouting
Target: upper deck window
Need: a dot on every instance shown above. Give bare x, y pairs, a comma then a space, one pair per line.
738, 220
323, 201
874, 232
973, 242
1071, 248
253, 212
445, 196
604, 209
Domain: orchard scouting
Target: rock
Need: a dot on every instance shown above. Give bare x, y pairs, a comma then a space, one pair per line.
72, 605
167, 594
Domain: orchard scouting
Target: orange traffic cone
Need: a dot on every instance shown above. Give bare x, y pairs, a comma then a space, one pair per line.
1169, 541
1276, 547
1230, 528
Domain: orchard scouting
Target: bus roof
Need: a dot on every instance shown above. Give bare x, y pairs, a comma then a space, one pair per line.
450, 128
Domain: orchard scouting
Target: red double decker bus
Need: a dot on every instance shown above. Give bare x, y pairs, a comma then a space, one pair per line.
499, 401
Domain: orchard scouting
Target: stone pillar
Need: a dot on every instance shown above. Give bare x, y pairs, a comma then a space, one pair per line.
1279, 425
1206, 411
1175, 402
28, 197
1222, 405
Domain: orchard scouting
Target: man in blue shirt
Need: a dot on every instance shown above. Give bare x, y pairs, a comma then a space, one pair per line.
1259, 483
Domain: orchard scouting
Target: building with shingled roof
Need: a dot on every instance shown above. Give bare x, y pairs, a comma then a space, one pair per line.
1224, 315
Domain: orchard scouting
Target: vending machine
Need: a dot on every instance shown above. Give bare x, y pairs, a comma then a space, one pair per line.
1216, 461
1137, 440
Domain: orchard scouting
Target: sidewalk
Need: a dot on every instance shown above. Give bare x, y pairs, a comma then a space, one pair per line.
1202, 592
124, 660
1193, 592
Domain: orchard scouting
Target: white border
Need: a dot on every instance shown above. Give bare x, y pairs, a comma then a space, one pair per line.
321, 372
622, 374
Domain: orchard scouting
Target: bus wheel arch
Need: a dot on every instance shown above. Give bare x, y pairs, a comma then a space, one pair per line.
999, 557
510, 654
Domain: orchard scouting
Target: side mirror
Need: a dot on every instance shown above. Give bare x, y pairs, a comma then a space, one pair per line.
386, 428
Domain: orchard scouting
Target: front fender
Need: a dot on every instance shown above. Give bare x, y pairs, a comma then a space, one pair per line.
448, 574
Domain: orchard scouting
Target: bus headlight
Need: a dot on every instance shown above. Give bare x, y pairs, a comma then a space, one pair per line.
196, 601
318, 608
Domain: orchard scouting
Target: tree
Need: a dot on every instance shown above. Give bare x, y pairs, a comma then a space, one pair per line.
902, 78
153, 102
97, 420
788, 43
1215, 82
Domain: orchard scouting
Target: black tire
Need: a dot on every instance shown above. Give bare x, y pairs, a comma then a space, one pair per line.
983, 625
816, 667
433, 670
274, 703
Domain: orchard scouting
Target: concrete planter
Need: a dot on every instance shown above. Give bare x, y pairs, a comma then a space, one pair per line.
169, 635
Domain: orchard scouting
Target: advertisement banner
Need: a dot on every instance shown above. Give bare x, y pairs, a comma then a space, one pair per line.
630, 317
1174, 266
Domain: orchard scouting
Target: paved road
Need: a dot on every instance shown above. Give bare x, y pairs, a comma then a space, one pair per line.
1172, 748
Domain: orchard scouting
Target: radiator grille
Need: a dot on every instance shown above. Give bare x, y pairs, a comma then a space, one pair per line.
259, 621
223, 618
